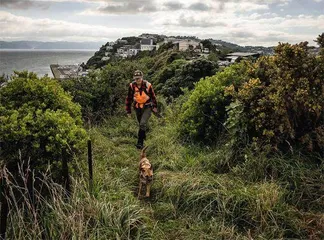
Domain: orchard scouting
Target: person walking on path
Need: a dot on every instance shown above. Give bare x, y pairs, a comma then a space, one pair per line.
142, 96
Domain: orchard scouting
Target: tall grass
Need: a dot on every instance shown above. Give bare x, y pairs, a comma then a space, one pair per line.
197, 193
77, 216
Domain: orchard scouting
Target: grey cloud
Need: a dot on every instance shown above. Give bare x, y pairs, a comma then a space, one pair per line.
191, 22
199, 7
173, 6
129, 7
146, 6
242, 34
23, 4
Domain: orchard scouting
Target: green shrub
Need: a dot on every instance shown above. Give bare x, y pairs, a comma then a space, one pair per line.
185, 76
37, 120
283, 100
167, 72
203, 115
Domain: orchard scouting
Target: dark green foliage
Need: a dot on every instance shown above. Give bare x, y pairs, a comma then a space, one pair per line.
131, 40
182, 74
187, 76
166, 46
37, 121
207, 44
103, 92
167, 73
320, 40
95, 61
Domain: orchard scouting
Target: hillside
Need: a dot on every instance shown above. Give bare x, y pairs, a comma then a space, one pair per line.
109, 51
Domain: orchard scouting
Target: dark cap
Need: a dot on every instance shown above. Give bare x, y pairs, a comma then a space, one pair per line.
138, 74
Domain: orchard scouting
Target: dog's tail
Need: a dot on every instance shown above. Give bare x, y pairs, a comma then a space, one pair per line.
143, 154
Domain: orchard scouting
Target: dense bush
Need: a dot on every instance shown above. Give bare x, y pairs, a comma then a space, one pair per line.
283, 100
37, 121
278, 101
203, 115
102, 93
167, 72
187, 75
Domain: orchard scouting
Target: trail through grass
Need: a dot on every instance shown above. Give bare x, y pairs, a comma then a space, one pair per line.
198, 192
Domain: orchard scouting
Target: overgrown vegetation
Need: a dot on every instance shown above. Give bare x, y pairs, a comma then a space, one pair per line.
217, 175
278, 101
37, 121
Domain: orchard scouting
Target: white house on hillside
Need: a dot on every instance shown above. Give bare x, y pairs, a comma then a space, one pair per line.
133, 51
186, 43
147, 44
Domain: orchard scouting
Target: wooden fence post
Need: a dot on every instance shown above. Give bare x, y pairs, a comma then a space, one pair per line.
90, 165
65, 171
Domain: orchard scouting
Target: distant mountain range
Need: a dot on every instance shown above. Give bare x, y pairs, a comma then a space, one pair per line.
236, 47
49, 45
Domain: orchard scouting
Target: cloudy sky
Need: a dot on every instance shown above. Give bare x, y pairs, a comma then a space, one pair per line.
245, 22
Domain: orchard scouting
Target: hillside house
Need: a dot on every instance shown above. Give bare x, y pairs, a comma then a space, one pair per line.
147, 44
133, 51
186, 44
67, 71
237, 56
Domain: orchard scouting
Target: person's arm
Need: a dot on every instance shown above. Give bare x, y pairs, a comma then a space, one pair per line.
153, 98
129, 100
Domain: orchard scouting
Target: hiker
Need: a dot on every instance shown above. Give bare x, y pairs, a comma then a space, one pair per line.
141, 94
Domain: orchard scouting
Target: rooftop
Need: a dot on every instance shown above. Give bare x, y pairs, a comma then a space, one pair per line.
243, 54
65, 71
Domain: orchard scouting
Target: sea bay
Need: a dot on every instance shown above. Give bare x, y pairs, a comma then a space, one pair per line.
38, 61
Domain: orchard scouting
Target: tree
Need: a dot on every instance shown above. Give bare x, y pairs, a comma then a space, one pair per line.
320, 40
208, 44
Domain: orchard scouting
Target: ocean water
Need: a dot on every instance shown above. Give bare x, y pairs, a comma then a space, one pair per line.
39, 61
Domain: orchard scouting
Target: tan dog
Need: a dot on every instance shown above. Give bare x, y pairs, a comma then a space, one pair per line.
146, 174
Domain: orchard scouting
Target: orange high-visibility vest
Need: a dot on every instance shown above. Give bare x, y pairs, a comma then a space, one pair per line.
141, 98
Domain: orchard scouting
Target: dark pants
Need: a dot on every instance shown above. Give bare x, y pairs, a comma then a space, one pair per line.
143, 115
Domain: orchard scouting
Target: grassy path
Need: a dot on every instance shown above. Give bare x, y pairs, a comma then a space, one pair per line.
189, 201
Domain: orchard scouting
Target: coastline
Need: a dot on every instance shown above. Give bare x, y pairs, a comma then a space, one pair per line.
39, 60
46, 50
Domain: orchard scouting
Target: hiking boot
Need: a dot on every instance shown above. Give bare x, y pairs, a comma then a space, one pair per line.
141, 137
